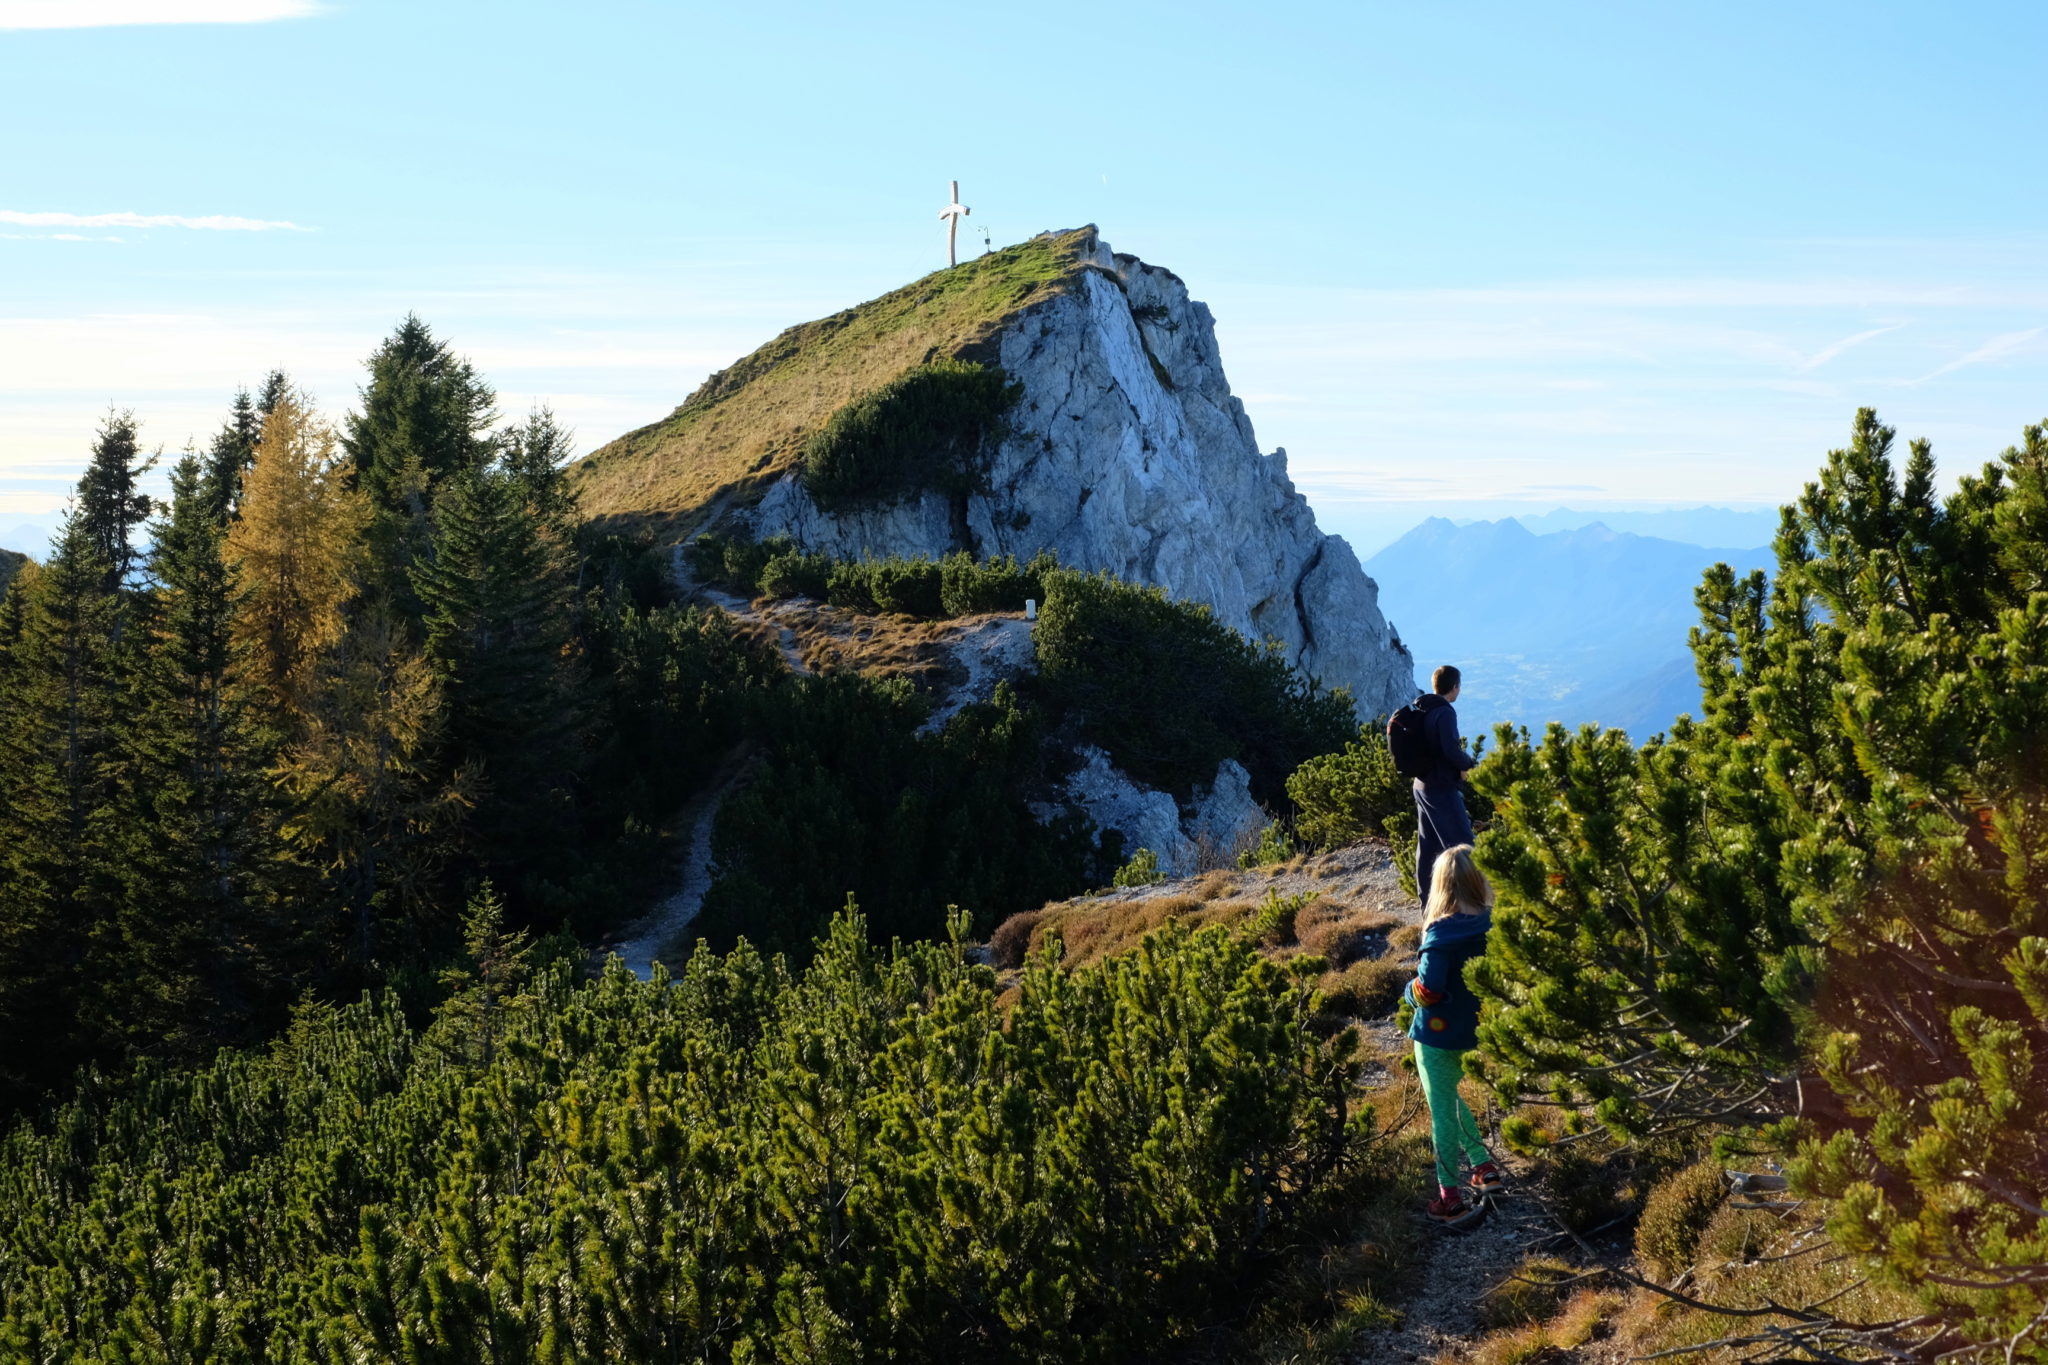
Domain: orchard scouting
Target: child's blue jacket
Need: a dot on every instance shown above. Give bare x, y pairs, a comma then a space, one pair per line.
1446, 1010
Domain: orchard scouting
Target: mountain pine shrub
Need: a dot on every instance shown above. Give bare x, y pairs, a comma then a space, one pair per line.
868, 1159
1851, 839
1348, 794
1169, 692
921, 431
1142, 870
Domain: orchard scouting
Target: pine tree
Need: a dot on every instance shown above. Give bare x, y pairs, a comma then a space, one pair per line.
110, 507
296, 548
1856, 834
59, 715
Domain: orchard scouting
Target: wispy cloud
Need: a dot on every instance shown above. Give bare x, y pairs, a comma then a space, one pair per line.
2004, 344
23, 14
212, 222
1833, 349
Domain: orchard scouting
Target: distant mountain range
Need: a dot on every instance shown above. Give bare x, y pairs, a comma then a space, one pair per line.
1581, 625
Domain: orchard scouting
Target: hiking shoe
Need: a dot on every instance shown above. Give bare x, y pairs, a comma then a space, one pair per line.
1451, 1209
1488, 1178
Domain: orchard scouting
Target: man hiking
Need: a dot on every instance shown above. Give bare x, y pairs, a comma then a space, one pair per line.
1440, 818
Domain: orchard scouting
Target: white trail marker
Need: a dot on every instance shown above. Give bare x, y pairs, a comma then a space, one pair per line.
953, 213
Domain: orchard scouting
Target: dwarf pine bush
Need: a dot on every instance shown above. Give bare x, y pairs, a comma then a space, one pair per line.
869, 1159
1854, 834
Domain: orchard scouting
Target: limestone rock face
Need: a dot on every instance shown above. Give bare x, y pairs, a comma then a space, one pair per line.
1222, 820
1128, 452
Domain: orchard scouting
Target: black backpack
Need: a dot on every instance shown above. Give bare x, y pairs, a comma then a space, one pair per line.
1405, 740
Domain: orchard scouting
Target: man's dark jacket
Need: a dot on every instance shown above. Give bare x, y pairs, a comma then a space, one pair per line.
1447, 761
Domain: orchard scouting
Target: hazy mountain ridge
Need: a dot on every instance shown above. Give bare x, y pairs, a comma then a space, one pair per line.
1580, 625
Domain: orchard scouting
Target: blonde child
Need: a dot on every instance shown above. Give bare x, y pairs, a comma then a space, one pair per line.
1455, 921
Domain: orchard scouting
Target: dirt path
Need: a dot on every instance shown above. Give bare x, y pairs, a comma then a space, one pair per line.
1440, 1320
659, 936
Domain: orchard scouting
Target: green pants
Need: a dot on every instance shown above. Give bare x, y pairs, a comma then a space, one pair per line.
1451, 1126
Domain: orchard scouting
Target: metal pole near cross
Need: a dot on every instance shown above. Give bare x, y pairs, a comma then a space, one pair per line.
953, 213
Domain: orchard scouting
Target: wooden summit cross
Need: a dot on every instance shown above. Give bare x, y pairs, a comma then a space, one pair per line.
953, 213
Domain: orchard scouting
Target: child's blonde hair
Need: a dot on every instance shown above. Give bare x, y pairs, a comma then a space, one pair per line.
1456, 885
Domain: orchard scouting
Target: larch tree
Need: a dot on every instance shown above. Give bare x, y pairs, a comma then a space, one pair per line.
296, 548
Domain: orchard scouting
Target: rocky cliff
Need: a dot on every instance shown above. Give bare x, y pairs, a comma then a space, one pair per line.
1125, 451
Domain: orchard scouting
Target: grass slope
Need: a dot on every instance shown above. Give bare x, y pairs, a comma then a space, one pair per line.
745, 426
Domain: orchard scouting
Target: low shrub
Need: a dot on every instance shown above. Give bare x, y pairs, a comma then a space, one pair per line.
705, 1169
1590, 1183
849, 795
1676, 1215
1347, 795
968, 588
1275, 846
1169, 692
794, 573
1736, 1236
1273, 923
894, 586
1142, 870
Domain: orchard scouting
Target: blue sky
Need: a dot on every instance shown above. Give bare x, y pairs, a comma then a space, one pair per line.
1480, 258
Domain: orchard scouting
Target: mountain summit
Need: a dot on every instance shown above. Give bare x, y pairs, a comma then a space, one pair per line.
1054, 395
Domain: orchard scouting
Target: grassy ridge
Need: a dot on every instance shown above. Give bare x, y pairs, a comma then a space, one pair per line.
747, 425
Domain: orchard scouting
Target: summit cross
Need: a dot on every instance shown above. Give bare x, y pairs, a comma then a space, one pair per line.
953, 213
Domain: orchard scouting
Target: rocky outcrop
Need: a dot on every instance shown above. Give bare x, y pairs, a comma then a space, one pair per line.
1220, 822
1127, 452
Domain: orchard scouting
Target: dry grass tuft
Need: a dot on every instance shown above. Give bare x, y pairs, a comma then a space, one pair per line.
1533, 1292
1588, 1314
1365, 990
1341, 934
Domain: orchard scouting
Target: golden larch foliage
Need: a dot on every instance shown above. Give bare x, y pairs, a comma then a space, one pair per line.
297, 547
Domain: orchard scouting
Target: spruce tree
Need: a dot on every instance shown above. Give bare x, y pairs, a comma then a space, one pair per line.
426, 416
535, 454
60, 711
110, 505
496, 595
232, 452
210, 927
